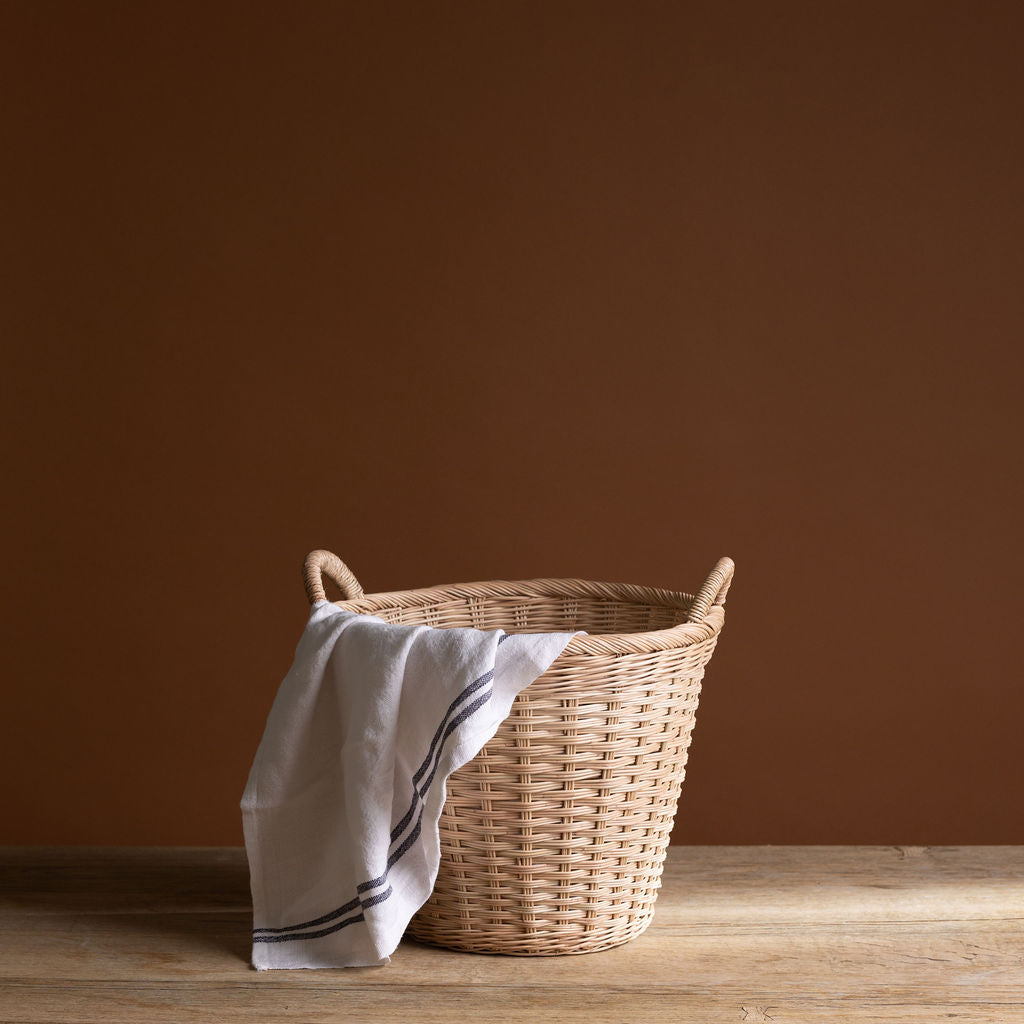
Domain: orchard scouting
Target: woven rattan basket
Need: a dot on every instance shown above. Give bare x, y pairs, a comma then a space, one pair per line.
553, 837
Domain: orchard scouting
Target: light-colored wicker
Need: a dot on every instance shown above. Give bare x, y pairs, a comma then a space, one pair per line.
553, 837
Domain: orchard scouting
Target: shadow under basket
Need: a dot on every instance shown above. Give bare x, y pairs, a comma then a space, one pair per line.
554, 836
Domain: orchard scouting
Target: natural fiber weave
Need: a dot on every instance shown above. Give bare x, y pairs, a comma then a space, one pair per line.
553, 837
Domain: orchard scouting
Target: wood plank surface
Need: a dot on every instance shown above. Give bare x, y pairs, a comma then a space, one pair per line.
758, 933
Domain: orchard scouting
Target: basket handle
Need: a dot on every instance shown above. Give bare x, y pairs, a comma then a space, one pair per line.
324, 563
713, 590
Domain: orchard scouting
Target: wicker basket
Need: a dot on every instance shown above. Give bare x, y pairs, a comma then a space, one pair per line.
553, 837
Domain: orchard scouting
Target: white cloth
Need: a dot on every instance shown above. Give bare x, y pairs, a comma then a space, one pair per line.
346, 789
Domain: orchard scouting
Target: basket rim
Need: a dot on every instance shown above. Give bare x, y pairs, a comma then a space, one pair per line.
683, 634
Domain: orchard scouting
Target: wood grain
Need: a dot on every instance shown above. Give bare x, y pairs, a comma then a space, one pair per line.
784, 934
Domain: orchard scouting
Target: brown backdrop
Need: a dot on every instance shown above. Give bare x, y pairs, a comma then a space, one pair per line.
478, 290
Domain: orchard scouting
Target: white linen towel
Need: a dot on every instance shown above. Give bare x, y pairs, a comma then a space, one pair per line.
344, 795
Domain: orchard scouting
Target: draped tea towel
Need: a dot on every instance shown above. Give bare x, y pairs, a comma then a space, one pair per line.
343, 799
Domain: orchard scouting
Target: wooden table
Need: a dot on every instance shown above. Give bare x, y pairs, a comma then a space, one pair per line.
760, 933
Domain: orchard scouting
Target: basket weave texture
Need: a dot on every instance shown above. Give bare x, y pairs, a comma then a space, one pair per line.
554, 836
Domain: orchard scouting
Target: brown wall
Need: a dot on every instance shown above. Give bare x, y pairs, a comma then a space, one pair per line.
475, 290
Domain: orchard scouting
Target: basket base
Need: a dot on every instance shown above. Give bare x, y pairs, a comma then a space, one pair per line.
543, 942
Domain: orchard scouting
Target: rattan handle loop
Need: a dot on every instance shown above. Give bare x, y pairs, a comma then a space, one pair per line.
713, 590
324, 563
